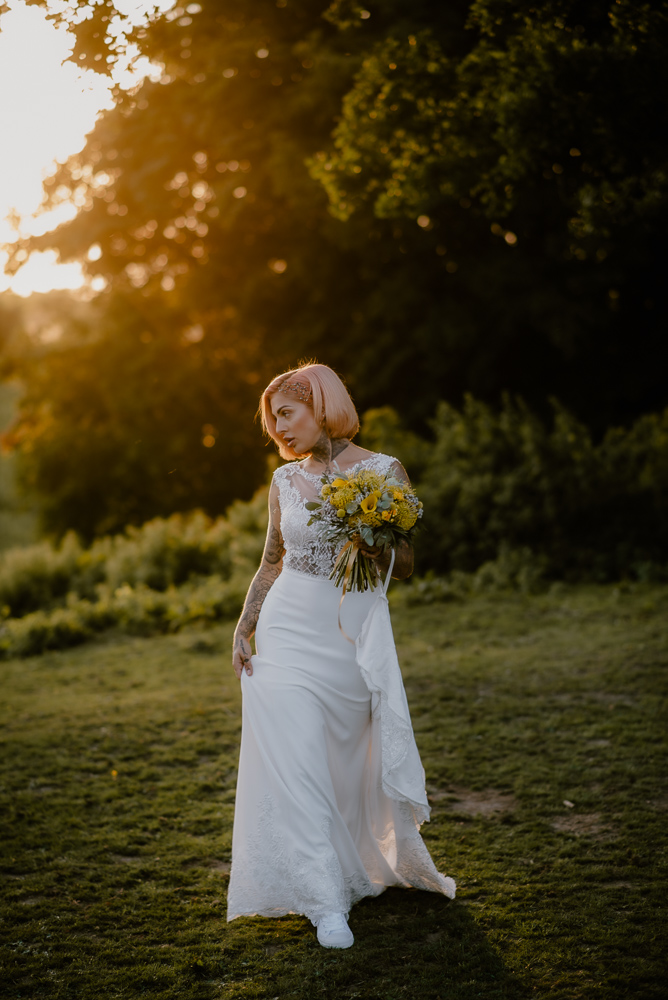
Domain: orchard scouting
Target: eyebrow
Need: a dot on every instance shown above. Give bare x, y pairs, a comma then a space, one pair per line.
285, 406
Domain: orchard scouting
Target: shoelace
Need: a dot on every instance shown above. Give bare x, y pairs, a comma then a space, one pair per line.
332, 922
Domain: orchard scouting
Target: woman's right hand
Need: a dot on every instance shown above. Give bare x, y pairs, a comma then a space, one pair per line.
241, 656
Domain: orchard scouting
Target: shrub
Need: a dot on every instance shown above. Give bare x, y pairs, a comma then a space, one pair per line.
135, 610
505, 479
163, 553
37, 575
382, 430
512, 570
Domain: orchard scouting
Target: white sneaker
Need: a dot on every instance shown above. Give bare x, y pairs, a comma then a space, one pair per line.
333, 931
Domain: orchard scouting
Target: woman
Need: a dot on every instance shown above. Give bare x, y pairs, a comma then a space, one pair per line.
330, 792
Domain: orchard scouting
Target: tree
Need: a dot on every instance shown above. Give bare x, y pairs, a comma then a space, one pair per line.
435, 199
134, 422
535, 161
210, 241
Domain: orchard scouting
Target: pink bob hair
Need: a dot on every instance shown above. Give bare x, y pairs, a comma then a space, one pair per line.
330, 401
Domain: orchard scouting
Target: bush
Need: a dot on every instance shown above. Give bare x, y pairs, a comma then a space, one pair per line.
134, 610
381, 430
164, 553
37, 575
169, 573
506, 480
513, 570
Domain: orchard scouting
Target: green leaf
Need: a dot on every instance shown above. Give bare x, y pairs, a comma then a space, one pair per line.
366, 533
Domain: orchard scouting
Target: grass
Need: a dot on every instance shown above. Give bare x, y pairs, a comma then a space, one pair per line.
541, 724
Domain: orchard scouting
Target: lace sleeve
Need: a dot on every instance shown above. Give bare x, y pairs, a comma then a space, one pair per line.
397, 468
285, 490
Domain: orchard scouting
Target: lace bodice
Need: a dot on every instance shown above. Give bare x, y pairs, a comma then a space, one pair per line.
305, 551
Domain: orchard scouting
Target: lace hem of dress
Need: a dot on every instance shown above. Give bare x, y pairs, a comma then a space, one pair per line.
270, 878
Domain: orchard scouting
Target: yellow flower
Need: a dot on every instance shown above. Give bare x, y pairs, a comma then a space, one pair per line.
372, 518
342, 497
387, 515
398, 495
407, 516
371, 502
369, 479
341, 513
338, 483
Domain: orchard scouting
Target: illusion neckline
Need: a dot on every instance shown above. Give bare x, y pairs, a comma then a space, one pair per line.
344, 472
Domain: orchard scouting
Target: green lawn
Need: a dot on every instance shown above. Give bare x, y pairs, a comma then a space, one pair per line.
541, 724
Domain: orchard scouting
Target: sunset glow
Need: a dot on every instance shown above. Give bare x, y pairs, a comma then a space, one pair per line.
48, 107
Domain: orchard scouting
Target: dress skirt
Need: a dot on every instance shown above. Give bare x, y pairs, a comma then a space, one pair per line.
315, 828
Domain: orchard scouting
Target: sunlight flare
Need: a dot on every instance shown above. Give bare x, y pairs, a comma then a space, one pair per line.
53, 106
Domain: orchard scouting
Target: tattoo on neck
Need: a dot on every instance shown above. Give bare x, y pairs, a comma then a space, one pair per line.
339, 445
326, 449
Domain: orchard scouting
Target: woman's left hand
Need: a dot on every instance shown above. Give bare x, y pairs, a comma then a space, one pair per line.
378, 553
403, 566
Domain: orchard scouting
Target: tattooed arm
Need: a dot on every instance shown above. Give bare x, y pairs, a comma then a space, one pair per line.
403, 560
268, 573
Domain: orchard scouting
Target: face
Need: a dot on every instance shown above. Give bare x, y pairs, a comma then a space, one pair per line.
295, 422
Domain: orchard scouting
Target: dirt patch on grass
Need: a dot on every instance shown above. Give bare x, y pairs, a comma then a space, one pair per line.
489, 802
582, 824
213, 864
219, 866
610, 699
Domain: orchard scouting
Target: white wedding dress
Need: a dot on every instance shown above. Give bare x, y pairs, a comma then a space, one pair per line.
330, 793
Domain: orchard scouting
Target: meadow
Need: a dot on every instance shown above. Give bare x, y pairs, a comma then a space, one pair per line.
541, 723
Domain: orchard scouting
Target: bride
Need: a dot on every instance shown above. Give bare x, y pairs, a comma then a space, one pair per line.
330, 793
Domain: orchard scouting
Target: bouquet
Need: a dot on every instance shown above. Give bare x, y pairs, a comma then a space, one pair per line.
367, 507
